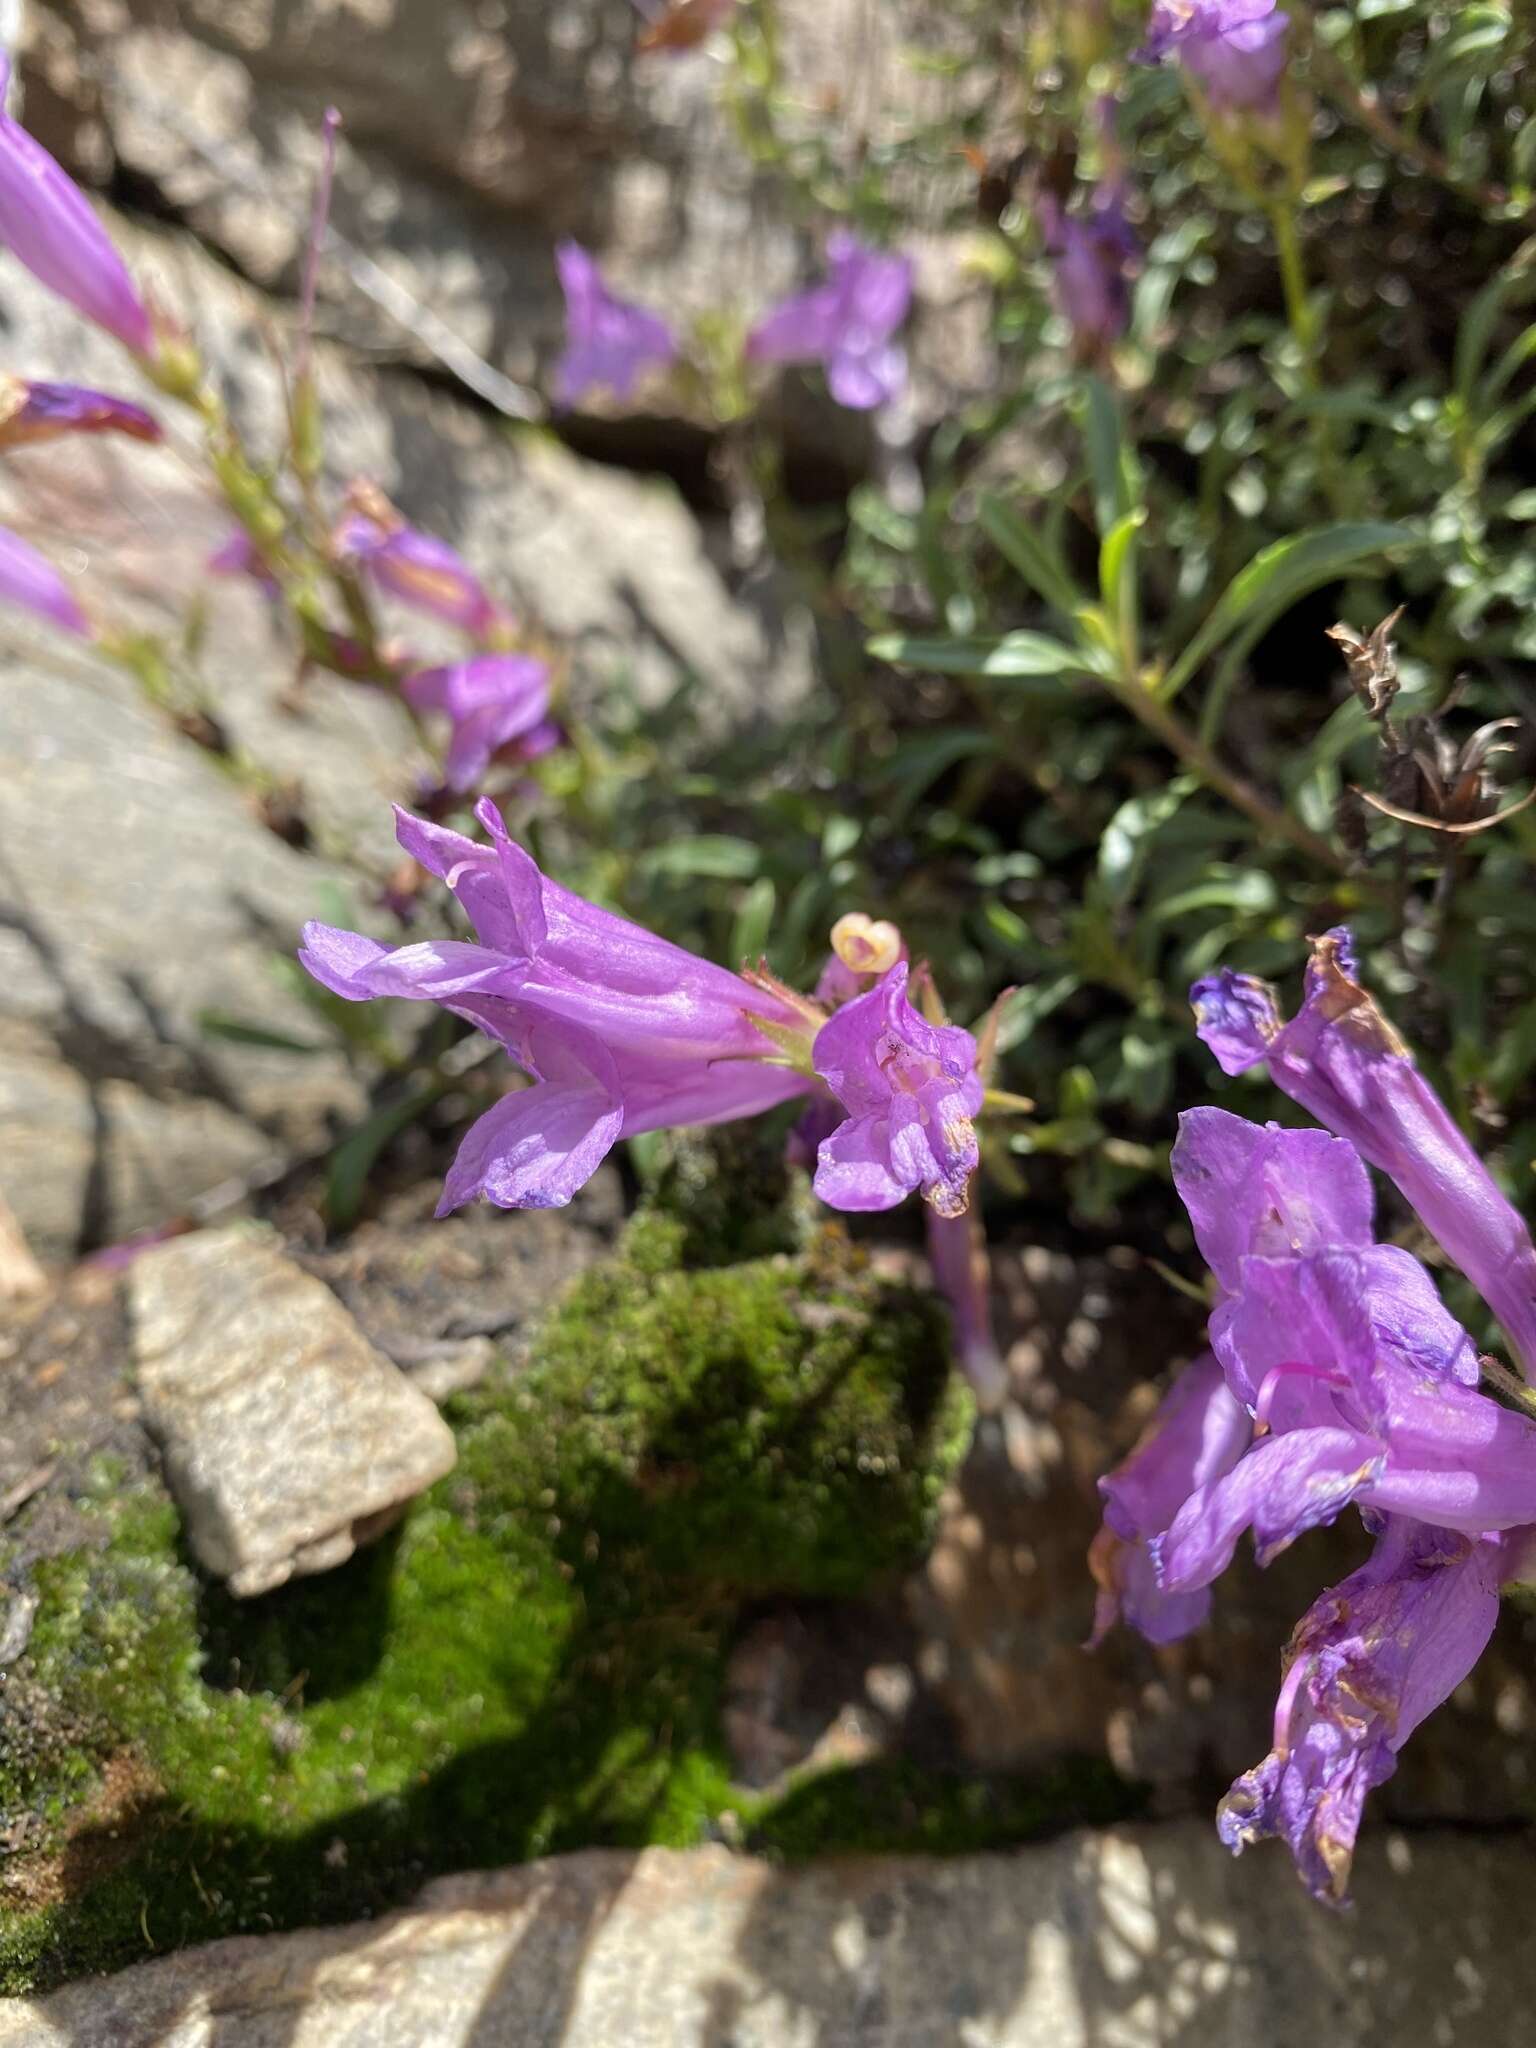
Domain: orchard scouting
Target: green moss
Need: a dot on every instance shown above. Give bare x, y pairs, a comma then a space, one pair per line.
530, 1664
897, 1808
747, 1427
729, 1190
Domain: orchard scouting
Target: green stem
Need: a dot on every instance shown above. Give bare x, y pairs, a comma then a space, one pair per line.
1182, 740
1299, 311
1307, 333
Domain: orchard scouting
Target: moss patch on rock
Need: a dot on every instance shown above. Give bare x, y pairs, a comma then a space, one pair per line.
531, 1663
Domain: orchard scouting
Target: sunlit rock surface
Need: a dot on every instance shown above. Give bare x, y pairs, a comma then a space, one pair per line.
1127, 1939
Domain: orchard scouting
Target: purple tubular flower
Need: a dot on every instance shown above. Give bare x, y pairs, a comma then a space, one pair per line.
620, 1031
1275, 1193
1367, 1663
47, 223
1257, 1188
33, 411
910, 1089
490, 701
845, 324
1358, 1384
1198, 1434
1235, 49
608, 341
416, 567
1341, 1060
30, 580
1093, 259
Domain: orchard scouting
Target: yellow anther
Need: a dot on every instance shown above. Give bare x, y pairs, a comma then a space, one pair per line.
866, 945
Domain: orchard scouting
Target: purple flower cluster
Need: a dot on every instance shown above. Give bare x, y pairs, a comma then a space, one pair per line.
846, 324
621, 1032
1335, 1376
1234, 49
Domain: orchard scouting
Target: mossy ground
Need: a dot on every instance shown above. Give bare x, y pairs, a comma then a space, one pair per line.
531, 1663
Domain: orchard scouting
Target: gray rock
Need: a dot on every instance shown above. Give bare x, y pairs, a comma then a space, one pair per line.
287, 1438
1132, 1939
478, 133
434, 1292
138, 886
138, 894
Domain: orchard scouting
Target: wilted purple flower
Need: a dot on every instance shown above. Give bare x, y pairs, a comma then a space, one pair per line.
30, 580
1198, 1434
33, 411
1234, 48
1367, 1663
416, 567
621, 1031
47, 223
1342, 1061
608, 341
910, 1089
1093, 258
845, 324
490, 701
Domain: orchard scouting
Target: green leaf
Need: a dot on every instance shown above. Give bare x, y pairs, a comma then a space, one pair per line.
1127, 837
1112, 464
1117, 584
754, 921
919, 762
239, 1031
1031, 1006
1280, 574
839, 836
715, 856
1115, 555
1248, 890
354, 1158
1030, 554
1480, 322
1015, 654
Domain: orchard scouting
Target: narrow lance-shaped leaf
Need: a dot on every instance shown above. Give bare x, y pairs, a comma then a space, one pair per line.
1112, 465
1031, 554
1013, 654
1280, 574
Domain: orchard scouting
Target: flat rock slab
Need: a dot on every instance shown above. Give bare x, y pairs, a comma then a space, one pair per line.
1138, 1938
287, 1437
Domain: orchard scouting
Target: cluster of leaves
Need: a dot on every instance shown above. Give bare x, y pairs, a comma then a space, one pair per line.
1087, 733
